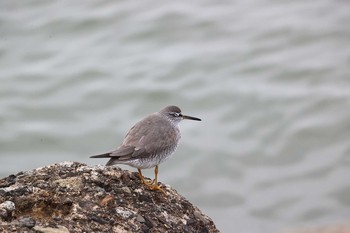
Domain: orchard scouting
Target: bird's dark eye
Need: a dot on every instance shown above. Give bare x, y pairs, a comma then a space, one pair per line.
175, 114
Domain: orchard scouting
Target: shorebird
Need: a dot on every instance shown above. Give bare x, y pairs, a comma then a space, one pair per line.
150, 142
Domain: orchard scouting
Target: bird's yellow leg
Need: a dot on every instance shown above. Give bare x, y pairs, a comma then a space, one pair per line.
152, 185
147, 183
155, 185
155, 181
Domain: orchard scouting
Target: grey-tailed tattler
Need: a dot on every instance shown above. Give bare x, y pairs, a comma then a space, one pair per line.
149, 142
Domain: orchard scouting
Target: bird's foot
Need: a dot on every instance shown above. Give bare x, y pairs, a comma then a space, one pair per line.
152, 186
148, 182
157, 187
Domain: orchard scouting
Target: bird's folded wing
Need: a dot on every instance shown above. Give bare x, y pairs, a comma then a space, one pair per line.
140, 153
126, 151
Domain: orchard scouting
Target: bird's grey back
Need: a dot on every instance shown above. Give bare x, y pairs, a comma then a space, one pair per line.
155, 134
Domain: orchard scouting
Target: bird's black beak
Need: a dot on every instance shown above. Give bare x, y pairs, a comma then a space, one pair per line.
190, 118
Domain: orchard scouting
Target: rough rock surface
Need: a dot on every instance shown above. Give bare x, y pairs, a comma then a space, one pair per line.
73, 197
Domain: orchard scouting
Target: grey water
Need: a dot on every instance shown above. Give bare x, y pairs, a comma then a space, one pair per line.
270, 79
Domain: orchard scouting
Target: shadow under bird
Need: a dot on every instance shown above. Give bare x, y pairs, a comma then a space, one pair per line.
150, 142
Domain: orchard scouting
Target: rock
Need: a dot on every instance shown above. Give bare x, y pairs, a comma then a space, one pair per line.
26, 222
6, 209
58, 229
140, 218
73, 197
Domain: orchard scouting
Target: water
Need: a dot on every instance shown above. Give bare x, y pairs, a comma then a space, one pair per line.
270, 79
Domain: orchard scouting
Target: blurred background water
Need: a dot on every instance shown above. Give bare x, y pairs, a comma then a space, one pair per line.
270, 79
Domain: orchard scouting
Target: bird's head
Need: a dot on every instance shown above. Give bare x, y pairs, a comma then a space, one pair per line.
174, 114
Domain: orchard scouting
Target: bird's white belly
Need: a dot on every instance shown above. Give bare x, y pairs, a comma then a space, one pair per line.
152, 161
